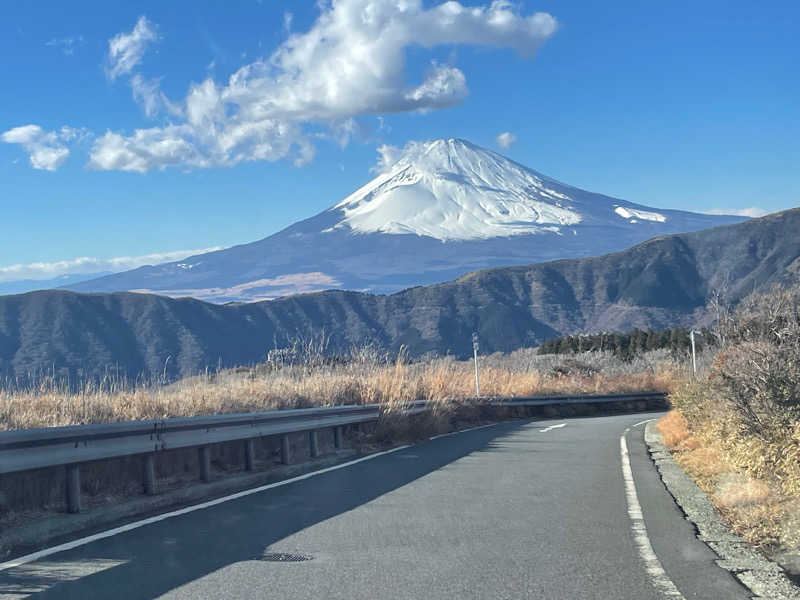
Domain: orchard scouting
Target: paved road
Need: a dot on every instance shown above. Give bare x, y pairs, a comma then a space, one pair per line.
516, 510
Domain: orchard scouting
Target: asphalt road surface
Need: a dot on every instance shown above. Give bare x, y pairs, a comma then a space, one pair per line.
520, 509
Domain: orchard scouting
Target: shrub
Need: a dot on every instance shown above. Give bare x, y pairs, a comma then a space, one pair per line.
758, 370
742, 435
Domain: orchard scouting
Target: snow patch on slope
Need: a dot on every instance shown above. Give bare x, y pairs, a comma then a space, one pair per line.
452, 190
634, 214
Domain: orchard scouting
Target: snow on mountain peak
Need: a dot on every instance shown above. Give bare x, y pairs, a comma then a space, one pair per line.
646, 215
454, 190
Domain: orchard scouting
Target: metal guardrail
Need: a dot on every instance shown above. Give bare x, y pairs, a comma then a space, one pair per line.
28, 449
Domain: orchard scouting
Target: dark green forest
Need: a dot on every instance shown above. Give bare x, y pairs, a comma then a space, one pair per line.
627, 345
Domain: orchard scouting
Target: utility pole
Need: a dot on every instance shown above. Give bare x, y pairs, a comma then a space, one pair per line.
164, 374
694, 356
475, 355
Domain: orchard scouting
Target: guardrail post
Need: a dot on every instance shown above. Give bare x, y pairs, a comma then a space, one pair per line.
204, 455
286, 449
249, 455
73, 488
313, 443
337, 437
149, 474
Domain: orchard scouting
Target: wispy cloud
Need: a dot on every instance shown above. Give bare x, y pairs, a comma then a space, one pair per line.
125, 54
67, 44
147, 92
505, 139
752, 211
125, 50
85, 264
388, 156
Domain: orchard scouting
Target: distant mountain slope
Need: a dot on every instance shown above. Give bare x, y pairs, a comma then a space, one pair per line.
20, 286
445, 208
663, 282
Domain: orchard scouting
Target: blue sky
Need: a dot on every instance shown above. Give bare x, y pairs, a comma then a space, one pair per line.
689, 105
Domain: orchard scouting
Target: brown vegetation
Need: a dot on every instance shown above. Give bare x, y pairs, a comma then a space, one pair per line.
366, 377
737, 428
674, 428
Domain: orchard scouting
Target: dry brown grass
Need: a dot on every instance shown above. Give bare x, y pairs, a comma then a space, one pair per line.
261, 388
674, 428
751, 481
706, 461
740, 491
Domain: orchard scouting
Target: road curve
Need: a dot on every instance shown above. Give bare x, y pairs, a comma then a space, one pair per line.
520, 509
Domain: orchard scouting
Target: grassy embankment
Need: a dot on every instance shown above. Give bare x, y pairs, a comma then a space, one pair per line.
736, 428
366, 377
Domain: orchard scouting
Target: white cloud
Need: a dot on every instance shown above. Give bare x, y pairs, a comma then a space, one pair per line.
343, 131
505, 139
47, 149
752, 211
83, 265
193, 146
125, 50
445, 86
349, 64
67, 44
125, 53
147, 92
144, 150
383, 125
387, 156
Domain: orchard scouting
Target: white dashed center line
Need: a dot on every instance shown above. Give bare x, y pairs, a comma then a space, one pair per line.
546, 429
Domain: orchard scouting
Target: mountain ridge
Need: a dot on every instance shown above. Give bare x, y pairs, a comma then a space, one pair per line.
664, 282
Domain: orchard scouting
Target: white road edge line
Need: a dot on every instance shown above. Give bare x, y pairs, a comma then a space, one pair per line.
642, 422
652, 565
441, 435
16, 562
546, 429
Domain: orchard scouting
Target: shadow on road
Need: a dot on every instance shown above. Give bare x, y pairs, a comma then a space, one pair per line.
157, 558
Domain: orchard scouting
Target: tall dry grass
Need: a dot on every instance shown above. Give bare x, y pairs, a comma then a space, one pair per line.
364, 378
750, 481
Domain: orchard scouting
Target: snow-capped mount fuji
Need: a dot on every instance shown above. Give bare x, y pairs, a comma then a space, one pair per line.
443, 208
451, 190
